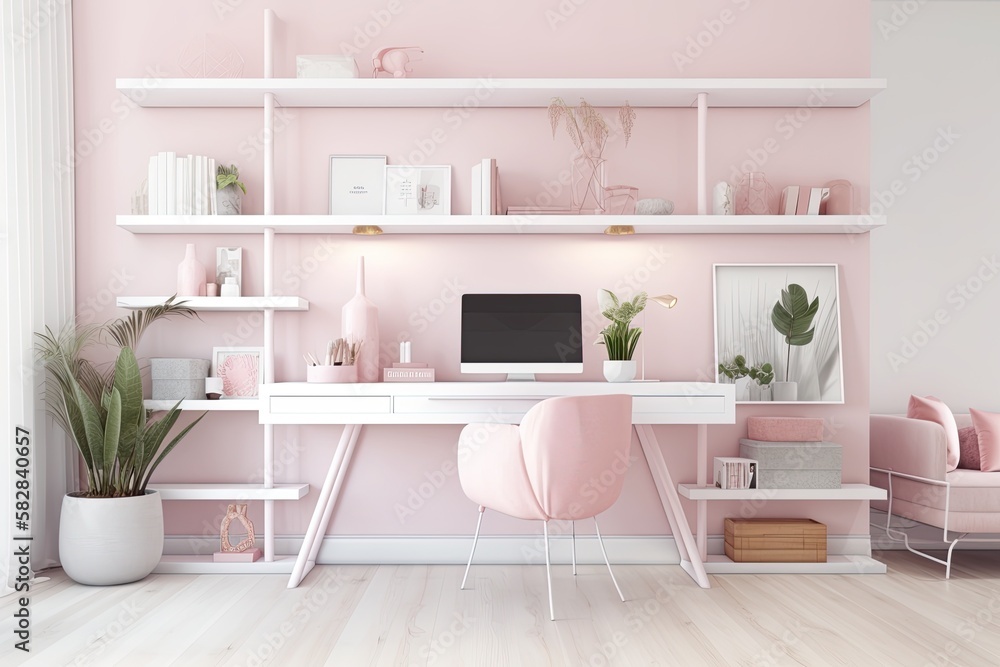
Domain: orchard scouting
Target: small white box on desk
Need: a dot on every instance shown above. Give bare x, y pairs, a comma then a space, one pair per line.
734, 473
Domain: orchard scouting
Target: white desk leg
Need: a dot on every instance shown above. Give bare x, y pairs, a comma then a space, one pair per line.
315, 530
702, 516
332, 502
672, 506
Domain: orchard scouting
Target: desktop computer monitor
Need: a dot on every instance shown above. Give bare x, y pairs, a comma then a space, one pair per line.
521, 334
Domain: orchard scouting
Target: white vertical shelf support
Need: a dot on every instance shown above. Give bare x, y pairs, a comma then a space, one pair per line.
701, 525
269, 19
702, 155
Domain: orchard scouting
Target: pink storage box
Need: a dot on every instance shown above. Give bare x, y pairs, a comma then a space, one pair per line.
785, 429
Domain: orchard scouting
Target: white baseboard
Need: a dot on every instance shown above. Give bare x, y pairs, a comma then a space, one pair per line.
922, 536
497, 550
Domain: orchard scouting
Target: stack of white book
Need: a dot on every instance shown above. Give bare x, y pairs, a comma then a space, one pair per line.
735, 473
486, 188
179, 185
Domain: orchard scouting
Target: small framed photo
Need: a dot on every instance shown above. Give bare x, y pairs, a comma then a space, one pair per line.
229, 264
413, 190
240, 370
357, 184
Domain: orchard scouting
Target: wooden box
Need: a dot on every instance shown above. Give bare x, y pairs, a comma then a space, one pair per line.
775, 541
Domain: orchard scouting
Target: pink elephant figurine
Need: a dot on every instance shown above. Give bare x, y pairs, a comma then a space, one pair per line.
395, 60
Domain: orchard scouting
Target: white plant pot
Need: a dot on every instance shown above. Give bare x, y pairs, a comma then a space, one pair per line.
229, 200
619, 371
743, 388
785, 391
108, 541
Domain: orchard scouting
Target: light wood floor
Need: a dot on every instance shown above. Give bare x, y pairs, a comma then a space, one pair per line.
416, 615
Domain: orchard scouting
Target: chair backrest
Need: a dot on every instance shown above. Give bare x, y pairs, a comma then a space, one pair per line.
576, 452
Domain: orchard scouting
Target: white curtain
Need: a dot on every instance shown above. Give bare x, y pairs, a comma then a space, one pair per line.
36, 270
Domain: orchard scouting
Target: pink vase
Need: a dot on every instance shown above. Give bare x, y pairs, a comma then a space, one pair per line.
190, 275
359, 322
754, 195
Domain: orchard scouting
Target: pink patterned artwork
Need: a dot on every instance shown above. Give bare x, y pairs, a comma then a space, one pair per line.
240, 372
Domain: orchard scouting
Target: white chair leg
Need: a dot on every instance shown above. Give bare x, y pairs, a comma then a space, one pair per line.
548, 570
573, 529
606, 561
475, 540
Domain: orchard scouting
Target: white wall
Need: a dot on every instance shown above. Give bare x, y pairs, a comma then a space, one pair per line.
936, 142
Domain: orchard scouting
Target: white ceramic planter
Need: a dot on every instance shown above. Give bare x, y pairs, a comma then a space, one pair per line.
743, 388
619, 371
108, 541
229, 200
786, 391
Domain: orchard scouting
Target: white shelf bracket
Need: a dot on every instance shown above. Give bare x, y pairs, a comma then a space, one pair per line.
702, 154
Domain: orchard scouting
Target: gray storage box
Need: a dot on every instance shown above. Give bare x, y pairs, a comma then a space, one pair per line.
795, 465
176, 379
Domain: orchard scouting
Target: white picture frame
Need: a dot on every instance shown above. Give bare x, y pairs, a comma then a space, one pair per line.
413, 190
241, 370
229, 264
744, 296
357, 184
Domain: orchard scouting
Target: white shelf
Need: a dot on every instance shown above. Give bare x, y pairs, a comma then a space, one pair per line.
205, 565
415, 92
220, 303
717, 564
230, 491
845, 492
502, 224
222, 405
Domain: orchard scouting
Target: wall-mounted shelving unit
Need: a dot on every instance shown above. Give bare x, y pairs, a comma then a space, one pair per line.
503, 224
268, 92
222, 405
221, 303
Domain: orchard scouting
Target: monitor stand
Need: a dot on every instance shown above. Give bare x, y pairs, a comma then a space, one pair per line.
520, 377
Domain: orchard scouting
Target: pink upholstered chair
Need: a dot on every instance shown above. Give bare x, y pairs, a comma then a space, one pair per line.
545, 468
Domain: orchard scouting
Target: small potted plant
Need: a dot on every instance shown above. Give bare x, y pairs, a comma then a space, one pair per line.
619, 337
111, 533
738, 371
793, 316
229, 190
763, 376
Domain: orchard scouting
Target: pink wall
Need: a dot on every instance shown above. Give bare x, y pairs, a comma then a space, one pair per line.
414, 280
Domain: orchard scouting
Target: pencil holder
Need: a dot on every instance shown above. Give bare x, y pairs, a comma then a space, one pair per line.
331, 373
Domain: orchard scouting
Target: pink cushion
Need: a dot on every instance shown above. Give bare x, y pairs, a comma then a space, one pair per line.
988, 431
968, 444
934, 410
785, 429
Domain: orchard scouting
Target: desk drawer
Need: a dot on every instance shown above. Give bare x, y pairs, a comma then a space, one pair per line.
475, 407
642, 405
331, 405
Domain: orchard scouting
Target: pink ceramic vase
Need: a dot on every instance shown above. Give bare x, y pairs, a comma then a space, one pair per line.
190, 275
359, 322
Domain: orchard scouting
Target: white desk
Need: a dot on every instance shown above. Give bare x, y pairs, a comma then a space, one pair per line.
354, 405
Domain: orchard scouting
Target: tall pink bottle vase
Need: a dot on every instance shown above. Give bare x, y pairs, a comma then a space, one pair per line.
190, 275
359, 321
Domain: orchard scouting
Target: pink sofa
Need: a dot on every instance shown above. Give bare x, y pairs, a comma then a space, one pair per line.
908, 459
